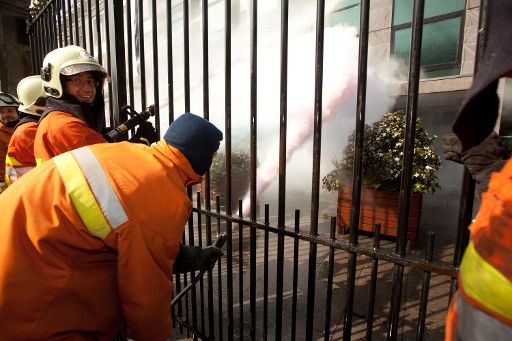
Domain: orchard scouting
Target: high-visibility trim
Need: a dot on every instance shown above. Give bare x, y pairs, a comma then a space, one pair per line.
22, 170
39, 161
101, 186
10, 176
81, 195
475, 325
13, 173
90, 192
10, 160
485, 284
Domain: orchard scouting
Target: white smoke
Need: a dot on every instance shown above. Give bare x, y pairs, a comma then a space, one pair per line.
340, 72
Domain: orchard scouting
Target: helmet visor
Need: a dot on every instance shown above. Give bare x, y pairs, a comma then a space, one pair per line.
9, 100
78, 68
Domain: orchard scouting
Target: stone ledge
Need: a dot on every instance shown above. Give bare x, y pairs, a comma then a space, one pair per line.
442, 84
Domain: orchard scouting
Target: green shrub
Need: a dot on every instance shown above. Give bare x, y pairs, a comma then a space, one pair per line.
382, 158
240, 163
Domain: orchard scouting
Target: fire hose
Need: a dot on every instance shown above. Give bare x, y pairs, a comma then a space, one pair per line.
218, 243
135, 120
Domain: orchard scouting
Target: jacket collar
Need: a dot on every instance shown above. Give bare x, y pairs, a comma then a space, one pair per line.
54, 104
26, 119
84, 112
175, 157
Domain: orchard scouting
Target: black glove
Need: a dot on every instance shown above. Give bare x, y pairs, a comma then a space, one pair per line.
194, 258
452, 148
480, 160
104, 131
145, 133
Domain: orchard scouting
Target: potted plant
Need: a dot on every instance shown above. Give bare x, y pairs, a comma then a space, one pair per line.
381, 175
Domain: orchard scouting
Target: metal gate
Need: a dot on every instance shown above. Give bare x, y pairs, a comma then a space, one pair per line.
277, 279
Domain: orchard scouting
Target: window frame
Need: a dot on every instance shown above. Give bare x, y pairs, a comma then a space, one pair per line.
341, 9
437, 67
346, 7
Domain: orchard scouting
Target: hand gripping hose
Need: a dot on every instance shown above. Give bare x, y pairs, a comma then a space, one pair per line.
219, 242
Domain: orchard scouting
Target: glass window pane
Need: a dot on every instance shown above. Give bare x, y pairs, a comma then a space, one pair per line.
402, 11
401, 43
349, 16
440, 44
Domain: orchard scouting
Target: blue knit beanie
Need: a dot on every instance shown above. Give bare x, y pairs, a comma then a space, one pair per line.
196, 138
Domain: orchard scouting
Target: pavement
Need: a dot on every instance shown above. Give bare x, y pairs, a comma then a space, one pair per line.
413, 279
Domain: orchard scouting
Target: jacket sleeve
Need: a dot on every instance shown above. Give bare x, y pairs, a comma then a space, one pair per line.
145, 259
73, 133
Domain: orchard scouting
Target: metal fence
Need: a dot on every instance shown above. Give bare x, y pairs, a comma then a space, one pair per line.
276, 279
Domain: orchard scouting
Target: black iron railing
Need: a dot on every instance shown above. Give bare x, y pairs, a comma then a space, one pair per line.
268, 284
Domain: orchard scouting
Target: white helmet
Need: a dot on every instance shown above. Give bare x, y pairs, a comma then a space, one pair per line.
7, 100
32, 96
67, 61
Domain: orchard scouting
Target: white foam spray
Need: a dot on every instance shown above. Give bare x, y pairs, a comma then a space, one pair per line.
339, 86
339, 94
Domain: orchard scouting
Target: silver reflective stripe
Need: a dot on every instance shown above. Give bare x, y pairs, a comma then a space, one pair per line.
23, 170
16, 172
475, 325
101, 187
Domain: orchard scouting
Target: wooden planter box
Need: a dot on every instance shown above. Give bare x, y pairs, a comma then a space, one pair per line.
379, 207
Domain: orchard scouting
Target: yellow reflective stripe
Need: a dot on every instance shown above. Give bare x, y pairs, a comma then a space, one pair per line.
145, 140
485, 284
81, 195
10, 160
101, 187
39, 161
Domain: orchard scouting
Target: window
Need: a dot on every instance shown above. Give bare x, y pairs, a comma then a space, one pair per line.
443, 26
346, 12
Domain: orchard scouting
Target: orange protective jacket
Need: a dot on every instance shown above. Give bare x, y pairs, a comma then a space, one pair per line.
485, 277
5, 136
20, 153
62, 276
60, 132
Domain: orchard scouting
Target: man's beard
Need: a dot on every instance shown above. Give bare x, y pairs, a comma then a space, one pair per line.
11, 123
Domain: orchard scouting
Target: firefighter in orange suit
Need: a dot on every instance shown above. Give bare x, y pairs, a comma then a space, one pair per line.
74, 115
89, 238
75, 110
8, 119
481, 309
20, 153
